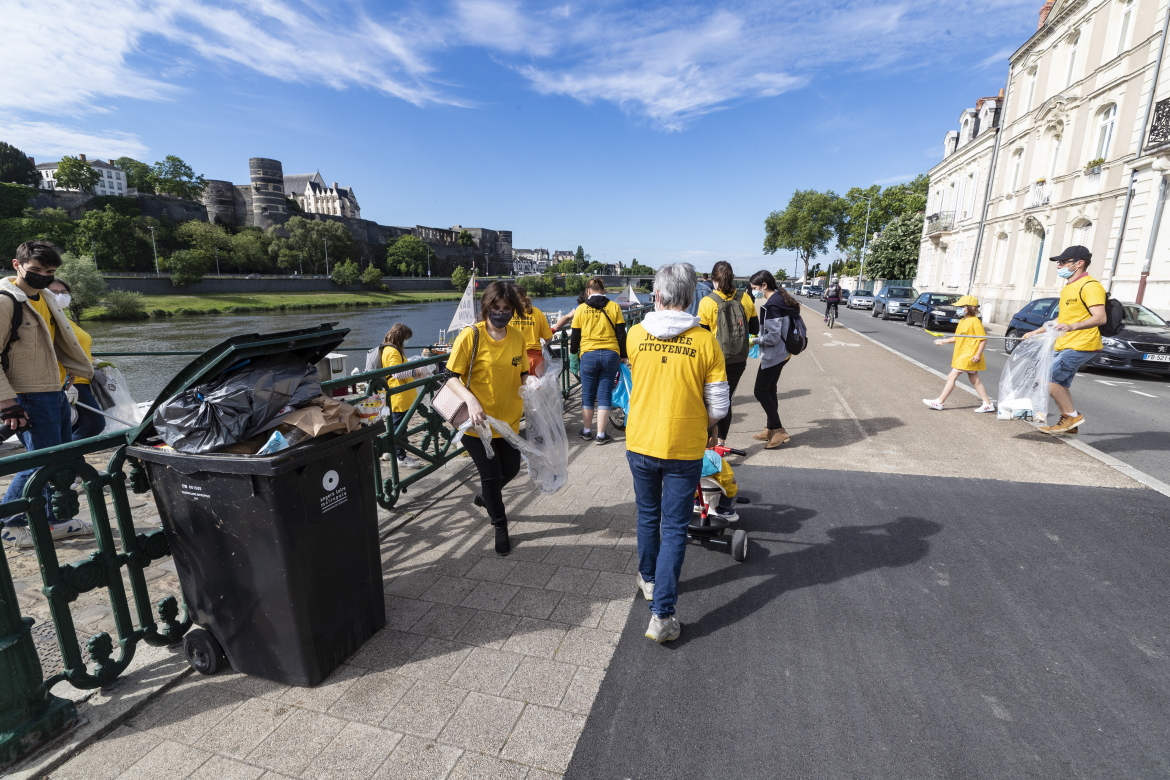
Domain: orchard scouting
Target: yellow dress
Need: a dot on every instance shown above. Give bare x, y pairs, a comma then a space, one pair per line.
965, 349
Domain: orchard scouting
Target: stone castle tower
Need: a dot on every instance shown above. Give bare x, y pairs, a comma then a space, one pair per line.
261, 203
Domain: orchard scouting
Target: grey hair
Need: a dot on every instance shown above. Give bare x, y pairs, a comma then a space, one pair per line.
675, 283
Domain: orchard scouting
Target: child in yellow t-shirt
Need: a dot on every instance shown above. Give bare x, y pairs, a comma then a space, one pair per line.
968, 356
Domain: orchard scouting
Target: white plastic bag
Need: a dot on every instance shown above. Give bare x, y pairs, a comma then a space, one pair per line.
544, 421
1023, 385
125, 407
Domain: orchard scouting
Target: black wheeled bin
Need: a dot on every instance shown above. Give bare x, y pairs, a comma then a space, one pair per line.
278, 556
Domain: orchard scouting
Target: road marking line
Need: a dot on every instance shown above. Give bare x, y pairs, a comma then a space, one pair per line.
1072, 441
848, 409
1139, 392
1112, 382
814, 357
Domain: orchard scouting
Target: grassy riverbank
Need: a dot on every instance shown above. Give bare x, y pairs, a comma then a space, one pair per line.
228, 303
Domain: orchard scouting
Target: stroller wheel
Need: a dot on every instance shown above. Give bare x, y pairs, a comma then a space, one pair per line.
739, 546
617, 418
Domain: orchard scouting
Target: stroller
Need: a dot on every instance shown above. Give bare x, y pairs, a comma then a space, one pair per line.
716, 493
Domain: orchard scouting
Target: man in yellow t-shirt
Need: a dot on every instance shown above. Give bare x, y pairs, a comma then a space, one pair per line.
679, 393
1082, 313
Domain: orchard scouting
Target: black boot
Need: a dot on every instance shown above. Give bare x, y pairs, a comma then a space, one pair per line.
503, 544
478, 500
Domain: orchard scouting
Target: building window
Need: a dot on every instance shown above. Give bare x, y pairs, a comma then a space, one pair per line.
1126, 16
1105, 121
1073, 44
1055, 155
1083, 233
1017, 169
1033, 75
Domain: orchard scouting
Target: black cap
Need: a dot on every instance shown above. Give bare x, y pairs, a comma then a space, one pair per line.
1077, 252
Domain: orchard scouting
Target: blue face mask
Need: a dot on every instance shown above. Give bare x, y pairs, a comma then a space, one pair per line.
1064, 273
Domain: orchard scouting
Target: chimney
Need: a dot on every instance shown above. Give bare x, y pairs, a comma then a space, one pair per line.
1047, 9
335, 186
81, 157
1001, 93
32, 162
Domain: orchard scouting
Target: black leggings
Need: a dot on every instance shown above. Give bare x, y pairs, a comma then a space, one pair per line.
734, 372
494, 473
765, 392
832, 305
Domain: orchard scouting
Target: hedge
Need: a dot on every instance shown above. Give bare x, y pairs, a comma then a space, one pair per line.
15, 231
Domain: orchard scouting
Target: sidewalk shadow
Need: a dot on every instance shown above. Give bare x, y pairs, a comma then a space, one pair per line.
835, 432
851, 550
1130, 442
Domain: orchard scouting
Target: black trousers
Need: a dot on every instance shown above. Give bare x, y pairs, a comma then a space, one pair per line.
734, 373
832, 305
494, 473
765, 392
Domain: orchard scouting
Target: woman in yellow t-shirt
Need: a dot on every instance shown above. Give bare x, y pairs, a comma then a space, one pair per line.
968, 357
533, 323
491, 388
394, 354
599, 335
723, 278
89, 423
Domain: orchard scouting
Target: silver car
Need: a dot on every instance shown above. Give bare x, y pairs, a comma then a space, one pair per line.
860, 299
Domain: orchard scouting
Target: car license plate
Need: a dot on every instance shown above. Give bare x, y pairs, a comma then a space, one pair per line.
954, 320
1159, 358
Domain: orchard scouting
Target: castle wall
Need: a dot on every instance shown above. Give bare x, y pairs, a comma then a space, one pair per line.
220, 200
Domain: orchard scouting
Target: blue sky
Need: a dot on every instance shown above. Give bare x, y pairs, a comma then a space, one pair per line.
661, 131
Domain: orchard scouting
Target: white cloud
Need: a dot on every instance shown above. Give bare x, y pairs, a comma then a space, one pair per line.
47, 138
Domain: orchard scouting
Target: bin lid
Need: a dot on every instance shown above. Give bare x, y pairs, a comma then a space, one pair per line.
310, 344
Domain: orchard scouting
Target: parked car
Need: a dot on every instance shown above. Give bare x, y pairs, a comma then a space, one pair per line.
814, 291
860, 299
893, 302
1142, 344
932, 310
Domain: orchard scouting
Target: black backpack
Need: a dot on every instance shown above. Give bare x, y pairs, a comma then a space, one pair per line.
1114, 313
14, 331
796, 339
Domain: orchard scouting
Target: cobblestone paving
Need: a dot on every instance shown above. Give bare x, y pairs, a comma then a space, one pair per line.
487, 667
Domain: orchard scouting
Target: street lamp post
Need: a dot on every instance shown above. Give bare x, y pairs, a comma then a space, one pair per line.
217, 261
93, 249
326, 256
428, 261
154, 246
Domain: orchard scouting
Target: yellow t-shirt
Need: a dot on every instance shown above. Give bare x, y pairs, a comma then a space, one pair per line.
42, 308
965, 348
668, 416
399, 402
534, 326
495, 377
709, 310
86, 344
596, 333
1075, 300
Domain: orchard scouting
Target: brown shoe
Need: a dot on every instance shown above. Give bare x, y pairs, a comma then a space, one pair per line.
779, 436
1065, 425
763, 435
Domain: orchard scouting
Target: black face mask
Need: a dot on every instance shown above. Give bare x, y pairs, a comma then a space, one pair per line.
498, 320
37, 281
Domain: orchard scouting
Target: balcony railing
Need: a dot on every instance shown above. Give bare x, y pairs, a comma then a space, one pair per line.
942, 221
1038, 195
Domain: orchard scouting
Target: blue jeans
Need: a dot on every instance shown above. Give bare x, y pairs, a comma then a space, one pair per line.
599, 370
664, 491
88, 423
1067, 363
395, 418
51, 425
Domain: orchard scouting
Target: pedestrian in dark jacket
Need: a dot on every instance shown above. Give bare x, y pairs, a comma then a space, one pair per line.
776, 309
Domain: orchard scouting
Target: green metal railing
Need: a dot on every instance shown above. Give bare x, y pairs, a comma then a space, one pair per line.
29, 713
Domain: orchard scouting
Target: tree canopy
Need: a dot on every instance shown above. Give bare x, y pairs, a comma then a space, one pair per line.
465, 239
172, 176
895, 254
408, 256
86, 284
806, 226
888, 204
137, 173
460, 277
16, 168
307, 243
637, 269
73, 173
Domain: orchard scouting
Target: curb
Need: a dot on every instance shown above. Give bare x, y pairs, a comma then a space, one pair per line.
1110, 461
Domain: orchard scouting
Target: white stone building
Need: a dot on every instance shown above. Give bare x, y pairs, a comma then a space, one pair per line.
530, 261
954, 204
1080, 157
113, 181
314, 196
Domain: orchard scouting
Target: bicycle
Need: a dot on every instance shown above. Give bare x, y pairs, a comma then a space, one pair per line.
832, 316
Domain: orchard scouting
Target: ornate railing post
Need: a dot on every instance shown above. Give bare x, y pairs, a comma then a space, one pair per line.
29, 715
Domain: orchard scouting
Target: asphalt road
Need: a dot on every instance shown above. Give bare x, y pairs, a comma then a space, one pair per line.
1127, 413
898, 626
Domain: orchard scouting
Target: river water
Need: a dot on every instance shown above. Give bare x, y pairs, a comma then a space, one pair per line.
148, 374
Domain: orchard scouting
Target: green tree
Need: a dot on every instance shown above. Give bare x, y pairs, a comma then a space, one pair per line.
49, 214
114, 240
74, 173
85, 281
780, 275
372, 276
460, 277
465, 239
895, 254
14, 199
595, 268
137, 173
806, 226
308, 241
887, 204
250, 250
16, 168
637, 269
125, 305
575, 285
408, 255
174, 177
186, 266
346, 273
580, 258
206, 239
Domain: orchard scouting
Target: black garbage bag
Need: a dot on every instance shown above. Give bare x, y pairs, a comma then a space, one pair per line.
236, 404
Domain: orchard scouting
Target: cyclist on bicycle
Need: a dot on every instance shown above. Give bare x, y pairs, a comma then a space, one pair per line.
832, 298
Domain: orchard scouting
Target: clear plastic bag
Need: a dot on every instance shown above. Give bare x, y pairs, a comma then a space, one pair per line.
1023, 385
109, 389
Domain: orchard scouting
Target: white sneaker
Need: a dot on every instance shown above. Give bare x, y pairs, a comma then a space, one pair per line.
409, 462
647, 588
985, 408
933, 403
71, 528
17, 536
729, 515
663, 629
